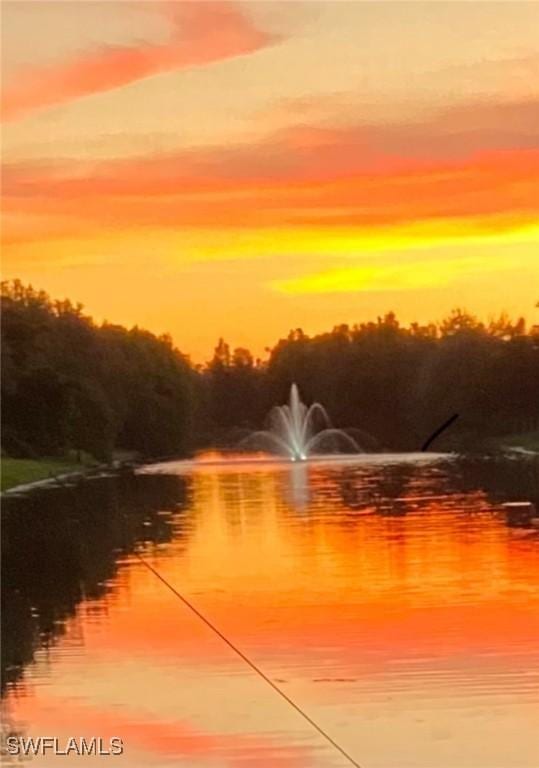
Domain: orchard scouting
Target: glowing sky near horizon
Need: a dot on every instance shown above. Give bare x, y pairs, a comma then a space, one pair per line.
238, 169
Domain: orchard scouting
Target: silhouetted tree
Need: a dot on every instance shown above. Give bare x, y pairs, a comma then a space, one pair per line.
69, 383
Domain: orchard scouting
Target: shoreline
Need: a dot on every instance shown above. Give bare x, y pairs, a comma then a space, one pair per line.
66, 476
75, 474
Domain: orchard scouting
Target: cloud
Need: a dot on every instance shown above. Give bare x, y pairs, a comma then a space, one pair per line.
176, 194
425, 273
475, 166
304, 152
201, 33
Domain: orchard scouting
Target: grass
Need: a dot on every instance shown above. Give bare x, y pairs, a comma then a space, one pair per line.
20, 471
527, 440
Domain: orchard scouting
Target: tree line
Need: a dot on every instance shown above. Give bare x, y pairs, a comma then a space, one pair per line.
70, 383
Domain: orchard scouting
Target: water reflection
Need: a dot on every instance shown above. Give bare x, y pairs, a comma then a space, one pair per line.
503, 479
61, 546
298, 495
386, 598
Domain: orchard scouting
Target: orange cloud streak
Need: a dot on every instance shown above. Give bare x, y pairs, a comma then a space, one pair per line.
304, 176
160, 194
202, 33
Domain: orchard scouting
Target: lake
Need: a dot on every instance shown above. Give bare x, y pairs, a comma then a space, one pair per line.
389, 597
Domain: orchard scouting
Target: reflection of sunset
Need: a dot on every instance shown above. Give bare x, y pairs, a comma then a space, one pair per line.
412, 594
301, 575
167, 740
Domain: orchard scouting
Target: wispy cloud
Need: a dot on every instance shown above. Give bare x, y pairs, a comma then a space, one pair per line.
471, 172
201, 33
411, 275
175, 194
303, 152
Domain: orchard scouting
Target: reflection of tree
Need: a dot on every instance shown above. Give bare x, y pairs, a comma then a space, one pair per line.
358, 491
352, 494
61, 545
392, 489
502, 479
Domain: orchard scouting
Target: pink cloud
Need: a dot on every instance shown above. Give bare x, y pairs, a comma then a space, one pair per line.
300, 153
497, 183
201, 33
475, 160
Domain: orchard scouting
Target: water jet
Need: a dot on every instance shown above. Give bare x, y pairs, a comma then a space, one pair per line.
298, 431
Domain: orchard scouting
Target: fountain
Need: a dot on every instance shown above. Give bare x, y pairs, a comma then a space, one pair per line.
297, 431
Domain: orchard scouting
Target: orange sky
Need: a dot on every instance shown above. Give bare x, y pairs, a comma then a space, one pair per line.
238, 169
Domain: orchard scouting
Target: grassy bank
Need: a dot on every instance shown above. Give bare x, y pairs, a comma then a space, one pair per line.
20, 471
527, 440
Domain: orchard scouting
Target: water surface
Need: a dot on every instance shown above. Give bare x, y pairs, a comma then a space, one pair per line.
389, 598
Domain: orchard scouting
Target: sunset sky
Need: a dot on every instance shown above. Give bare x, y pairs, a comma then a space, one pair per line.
238, 169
